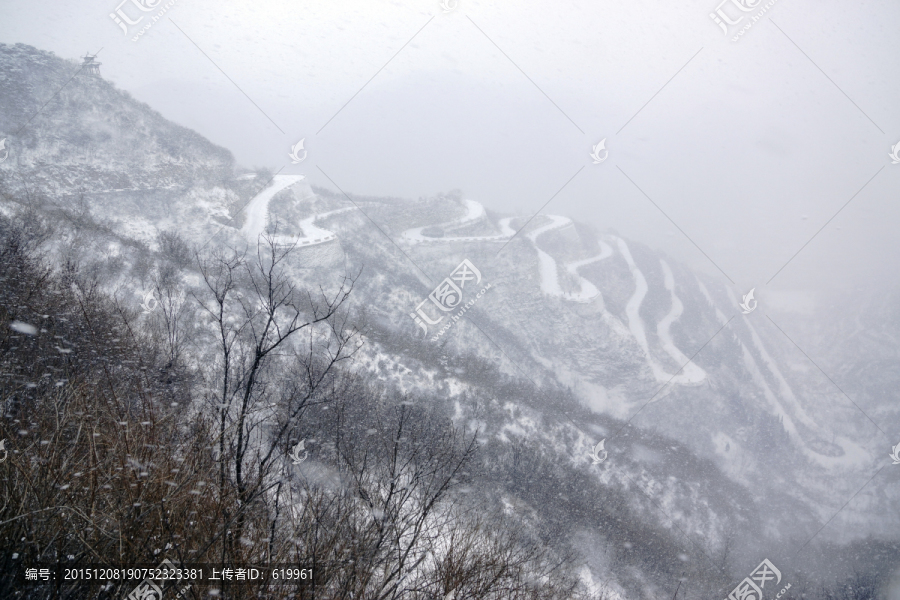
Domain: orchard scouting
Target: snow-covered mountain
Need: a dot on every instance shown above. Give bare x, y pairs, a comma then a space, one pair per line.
545, 336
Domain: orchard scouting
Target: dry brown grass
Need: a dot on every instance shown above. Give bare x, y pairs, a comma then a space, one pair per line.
116, 457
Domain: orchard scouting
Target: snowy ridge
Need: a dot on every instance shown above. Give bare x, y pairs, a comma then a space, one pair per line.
557, 329
794, 409
785, 404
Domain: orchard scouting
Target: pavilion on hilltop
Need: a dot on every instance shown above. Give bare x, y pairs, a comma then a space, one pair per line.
91, 66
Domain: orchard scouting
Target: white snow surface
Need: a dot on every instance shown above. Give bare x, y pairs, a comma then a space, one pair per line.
785, 404
474, 212
258, 208
257, 213
505, 229
549, 271
636, 325
690, 372
312, 234
547, 265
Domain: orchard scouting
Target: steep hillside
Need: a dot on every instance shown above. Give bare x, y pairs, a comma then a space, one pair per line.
69, 131
538, 335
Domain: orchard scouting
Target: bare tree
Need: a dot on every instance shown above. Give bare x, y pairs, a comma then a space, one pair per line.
110, 464
169, 312
102, 467
257, 310
381, 520
400, 485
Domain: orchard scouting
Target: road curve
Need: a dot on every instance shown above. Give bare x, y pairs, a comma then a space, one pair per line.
258, 208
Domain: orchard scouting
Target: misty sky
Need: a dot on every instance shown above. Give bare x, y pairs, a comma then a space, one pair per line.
749, 148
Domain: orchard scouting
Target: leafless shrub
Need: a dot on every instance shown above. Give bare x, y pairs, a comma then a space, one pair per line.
173, 247
114, 460
102, 466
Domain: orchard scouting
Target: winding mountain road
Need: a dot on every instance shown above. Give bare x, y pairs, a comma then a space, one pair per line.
689, 374
258, 210
474, 212
548, 266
